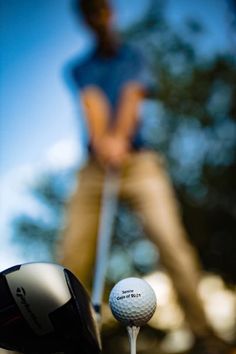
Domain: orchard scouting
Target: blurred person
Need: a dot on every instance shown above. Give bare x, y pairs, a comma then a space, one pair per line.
112, 82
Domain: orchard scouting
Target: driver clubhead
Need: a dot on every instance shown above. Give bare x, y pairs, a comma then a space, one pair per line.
45, 309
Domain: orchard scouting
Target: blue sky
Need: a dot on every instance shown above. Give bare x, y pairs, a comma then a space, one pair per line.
38, 125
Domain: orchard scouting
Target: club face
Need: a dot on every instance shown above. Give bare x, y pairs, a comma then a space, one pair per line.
44, 308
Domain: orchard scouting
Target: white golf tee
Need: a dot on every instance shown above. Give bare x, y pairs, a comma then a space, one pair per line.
133, 332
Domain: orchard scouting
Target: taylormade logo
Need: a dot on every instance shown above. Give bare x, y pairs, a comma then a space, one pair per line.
21, 294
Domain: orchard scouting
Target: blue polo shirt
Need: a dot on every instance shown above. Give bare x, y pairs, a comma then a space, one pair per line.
112, 73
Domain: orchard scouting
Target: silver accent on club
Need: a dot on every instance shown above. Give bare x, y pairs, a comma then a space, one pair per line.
39, 289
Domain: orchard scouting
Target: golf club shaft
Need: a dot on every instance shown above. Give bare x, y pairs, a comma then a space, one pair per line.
107, 215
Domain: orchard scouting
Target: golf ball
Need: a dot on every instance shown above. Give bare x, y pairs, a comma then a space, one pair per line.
132, 301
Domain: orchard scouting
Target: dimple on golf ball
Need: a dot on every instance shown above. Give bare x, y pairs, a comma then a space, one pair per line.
132, 302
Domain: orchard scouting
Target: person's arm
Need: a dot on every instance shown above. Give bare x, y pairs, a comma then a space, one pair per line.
117, 143
97, 111
111, 144
127, 112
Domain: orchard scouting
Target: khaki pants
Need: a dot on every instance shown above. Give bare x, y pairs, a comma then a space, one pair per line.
145, 185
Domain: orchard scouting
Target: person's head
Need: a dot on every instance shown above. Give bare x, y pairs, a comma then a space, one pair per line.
96, 13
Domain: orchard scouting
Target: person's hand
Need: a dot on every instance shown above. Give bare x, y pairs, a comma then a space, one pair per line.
112, 150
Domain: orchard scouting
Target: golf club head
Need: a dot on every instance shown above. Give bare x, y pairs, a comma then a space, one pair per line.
45, 309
